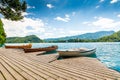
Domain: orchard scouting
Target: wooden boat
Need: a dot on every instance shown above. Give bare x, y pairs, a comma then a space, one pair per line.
19, 46
77, 52
50, 48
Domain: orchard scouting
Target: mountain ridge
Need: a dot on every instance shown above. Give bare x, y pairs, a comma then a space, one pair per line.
95, 35
100, 36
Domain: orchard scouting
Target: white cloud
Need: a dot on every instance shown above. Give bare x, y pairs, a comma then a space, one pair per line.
113, 1
25, 27
30, 26
101, 0
65, 19
76, 32
85, 22
30, 7
97, 6
95, 17
118, 15
105, 23
25, 14
50, 6
37, 27
67, 16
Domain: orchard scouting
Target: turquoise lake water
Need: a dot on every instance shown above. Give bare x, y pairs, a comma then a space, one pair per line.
107, 53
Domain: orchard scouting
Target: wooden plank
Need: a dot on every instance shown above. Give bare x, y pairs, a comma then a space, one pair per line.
32, 68
58, 73
62, 71
43, 70
31, 73
106, 73
19, 70
6, 73
2, 76
83, 72
12, 71
97, 75
62, 74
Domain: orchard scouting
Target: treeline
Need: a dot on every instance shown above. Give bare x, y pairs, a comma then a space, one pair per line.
27, 39
115, 37
74, 40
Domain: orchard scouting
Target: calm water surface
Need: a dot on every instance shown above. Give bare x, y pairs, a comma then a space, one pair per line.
107, 53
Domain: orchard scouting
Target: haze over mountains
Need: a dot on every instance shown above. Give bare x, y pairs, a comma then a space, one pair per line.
95, 35
101, 36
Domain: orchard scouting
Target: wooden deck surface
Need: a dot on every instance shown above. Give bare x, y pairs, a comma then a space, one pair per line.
17, 65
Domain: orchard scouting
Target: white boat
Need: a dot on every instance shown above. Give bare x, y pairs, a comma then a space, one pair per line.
77, 52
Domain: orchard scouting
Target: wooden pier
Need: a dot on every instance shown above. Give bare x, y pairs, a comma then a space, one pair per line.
17, 65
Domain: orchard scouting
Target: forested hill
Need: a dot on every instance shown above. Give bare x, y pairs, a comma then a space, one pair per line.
27, 39
115, 37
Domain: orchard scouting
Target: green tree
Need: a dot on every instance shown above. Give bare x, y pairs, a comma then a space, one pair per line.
112, 38
2, 34
11, 10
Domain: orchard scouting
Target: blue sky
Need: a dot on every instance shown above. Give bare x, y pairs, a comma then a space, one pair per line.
58, 18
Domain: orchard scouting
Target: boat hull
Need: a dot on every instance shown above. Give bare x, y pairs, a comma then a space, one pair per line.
51, 48
77, 53
19, 47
